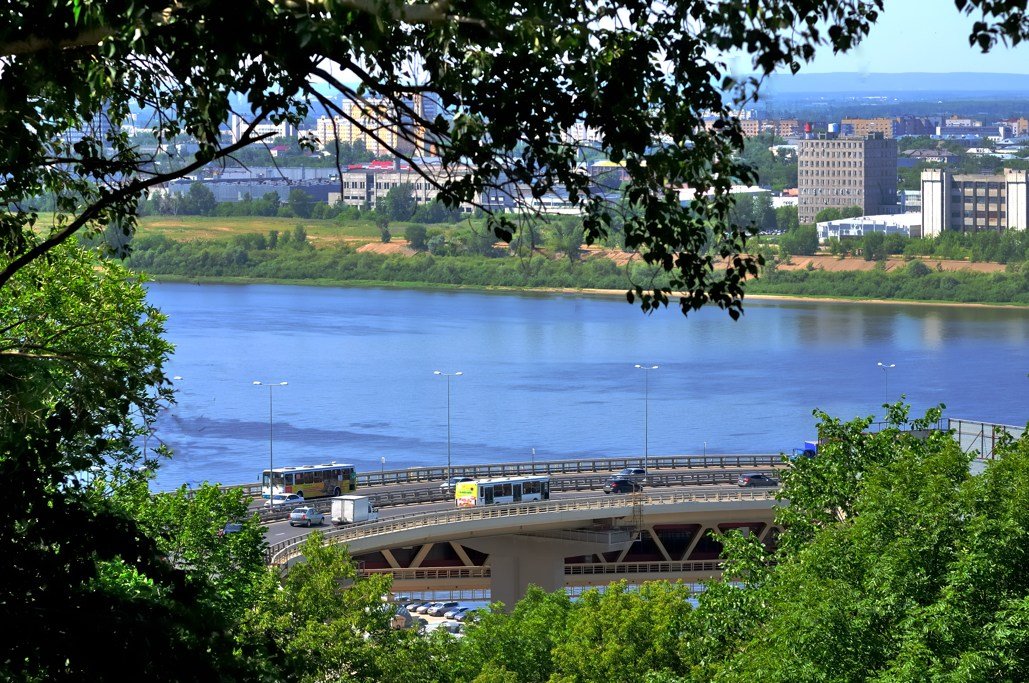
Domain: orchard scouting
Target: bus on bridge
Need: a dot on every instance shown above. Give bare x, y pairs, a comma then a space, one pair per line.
310, 481
502, 490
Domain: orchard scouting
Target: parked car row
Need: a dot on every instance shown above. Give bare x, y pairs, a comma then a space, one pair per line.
447, 609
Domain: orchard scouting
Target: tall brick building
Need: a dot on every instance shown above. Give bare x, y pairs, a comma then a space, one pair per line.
839, 172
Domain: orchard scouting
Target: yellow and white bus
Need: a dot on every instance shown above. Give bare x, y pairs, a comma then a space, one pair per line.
311, 481
502, 490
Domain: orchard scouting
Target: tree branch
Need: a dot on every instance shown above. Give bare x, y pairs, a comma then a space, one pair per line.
94, 210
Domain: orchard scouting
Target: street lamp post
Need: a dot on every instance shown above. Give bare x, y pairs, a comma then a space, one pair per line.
646, 413
886, 380
271, 460
448, 375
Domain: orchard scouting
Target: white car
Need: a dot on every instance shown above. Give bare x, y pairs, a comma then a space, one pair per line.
283, 499
306, 516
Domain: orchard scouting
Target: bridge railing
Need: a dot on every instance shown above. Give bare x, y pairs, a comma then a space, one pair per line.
433, 494
282, 552
578, 569
433, 573
576, 466
415, 475
607, 568
981, 436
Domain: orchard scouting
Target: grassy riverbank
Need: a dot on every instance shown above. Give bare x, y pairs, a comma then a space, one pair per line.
236, 261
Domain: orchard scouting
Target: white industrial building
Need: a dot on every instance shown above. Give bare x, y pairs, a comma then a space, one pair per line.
906, 224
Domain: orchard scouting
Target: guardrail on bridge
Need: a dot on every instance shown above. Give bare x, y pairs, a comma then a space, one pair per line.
415, 475
433, 494
284, 551
981, 436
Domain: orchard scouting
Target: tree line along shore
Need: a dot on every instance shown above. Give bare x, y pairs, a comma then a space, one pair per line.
463, 255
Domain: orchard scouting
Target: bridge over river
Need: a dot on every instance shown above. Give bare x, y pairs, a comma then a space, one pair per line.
578, 538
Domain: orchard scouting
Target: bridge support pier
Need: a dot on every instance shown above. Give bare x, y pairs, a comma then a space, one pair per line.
519, 560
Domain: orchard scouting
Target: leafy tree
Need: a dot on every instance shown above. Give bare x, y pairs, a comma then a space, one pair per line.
622, 635
521, 642
436, 212
873, 246
437, 245
415, 234
755, 208
834, 214
398, 205
521, 83
92, 594
479, 242
382, 223
327, 620
778, 170
786, 218
301, 203
897, 563
199, 200
567, 237
918, 269
300, 237
803, 241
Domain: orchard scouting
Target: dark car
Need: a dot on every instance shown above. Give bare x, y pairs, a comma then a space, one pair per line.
621, 484
756, 479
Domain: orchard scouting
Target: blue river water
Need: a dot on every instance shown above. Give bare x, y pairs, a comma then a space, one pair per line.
554, 373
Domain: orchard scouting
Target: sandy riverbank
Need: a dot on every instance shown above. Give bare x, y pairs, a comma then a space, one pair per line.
620, 294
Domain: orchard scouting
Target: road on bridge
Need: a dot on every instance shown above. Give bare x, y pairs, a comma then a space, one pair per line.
281, 530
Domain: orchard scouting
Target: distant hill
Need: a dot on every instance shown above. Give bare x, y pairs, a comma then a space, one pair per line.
807, 85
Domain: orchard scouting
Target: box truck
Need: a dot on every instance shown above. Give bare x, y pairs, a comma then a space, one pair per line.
352, 509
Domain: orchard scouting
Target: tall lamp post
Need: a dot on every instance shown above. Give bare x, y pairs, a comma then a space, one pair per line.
271, 460
448, 375
646, 412
886, 380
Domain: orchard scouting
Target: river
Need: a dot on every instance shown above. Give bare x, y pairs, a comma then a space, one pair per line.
554, 373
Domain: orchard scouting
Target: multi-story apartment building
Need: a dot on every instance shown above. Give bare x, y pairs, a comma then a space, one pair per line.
784, 128
839, 172
360, 125
890, 127
381, 126
237, 125
864, 127
974, 202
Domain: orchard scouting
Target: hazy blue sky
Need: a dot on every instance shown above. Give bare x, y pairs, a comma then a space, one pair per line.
922, 35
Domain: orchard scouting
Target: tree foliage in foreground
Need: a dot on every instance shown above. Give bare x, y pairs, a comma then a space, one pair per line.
88, 593
897, 565
511, 79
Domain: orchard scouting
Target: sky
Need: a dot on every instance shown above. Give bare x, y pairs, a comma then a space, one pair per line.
922, 36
